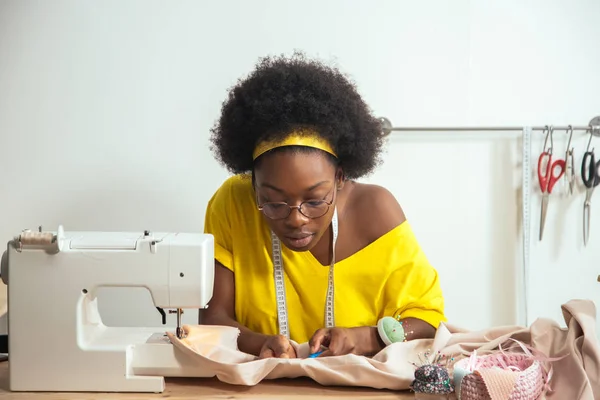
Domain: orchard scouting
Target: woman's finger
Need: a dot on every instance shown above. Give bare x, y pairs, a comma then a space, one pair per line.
292, 352
318, 340
326, 353
266, 352
281, 347
338, 342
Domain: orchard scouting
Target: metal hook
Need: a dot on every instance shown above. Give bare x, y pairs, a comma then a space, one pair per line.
551, 139
570, 131
591, 130
548, 130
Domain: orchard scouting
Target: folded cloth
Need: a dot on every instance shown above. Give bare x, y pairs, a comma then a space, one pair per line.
575, 376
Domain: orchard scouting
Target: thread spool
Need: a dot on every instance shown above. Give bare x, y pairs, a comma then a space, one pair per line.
29, 238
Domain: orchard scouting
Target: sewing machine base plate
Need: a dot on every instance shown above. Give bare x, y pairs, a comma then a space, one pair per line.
146, 354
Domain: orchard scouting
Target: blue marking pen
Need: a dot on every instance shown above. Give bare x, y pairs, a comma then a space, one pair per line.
318, 353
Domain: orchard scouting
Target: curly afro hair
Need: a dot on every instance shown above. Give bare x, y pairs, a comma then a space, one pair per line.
283, 94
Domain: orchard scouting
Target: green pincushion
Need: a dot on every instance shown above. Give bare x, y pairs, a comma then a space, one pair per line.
391, 330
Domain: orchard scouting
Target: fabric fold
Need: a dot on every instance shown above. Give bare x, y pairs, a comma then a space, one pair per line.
575, 376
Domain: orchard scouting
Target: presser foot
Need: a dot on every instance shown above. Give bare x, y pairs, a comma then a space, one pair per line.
179, 332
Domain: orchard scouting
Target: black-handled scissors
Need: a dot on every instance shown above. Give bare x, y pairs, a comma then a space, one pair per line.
590, 174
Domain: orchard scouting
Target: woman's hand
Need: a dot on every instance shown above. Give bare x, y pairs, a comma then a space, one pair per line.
277, 346
339, 341
363, 340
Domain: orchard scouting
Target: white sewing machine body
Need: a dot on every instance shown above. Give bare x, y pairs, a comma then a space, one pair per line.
57, 341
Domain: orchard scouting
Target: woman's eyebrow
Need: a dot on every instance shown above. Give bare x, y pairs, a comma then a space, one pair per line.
269, 186
316, 185
310, 189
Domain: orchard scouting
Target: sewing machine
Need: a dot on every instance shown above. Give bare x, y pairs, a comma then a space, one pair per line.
57, 341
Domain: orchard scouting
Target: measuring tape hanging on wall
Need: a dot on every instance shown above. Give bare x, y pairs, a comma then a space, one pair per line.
526, 218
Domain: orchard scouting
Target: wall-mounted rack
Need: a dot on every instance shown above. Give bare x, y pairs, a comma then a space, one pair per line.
386, 125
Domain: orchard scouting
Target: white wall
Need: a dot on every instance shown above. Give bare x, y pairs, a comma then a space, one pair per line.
105, 109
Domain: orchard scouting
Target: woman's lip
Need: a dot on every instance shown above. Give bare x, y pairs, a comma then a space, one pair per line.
300, 236
300, 242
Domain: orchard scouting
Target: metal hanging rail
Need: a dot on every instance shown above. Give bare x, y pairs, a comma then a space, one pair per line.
387, 128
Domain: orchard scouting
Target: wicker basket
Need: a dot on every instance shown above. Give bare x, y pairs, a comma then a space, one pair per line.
514, 376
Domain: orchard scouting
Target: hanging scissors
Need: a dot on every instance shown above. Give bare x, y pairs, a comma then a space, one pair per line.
590, 174
548, 178
570, 163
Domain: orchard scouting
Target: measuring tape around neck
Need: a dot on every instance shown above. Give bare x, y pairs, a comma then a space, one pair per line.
282, 315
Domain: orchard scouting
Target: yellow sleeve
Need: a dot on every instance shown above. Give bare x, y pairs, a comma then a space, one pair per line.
413, 288
218, 224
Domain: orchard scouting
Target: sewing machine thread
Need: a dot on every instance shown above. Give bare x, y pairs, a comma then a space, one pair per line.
29, 238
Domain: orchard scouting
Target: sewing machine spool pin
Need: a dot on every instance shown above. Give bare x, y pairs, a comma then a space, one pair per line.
39, 240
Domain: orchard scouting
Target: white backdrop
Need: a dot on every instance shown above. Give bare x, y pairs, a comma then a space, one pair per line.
105, 111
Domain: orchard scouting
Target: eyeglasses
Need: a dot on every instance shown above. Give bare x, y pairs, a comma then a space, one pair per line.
310, 208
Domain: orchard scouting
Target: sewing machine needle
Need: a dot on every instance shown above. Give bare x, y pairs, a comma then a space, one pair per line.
179, 332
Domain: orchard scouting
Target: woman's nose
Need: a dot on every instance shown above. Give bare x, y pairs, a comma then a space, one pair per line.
296, 219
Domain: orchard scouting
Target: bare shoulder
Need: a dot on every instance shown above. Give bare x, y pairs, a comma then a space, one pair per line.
376, 209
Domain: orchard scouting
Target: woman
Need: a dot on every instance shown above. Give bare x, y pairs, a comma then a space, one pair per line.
303, 251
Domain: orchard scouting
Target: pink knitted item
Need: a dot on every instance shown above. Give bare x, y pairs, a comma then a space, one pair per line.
502, 375
521, 379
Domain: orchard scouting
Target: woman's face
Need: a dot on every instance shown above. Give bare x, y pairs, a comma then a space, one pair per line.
297, 178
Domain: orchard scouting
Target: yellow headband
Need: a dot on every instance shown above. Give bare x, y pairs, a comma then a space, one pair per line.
298, 138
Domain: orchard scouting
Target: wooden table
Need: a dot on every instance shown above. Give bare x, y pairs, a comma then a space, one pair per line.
187, 388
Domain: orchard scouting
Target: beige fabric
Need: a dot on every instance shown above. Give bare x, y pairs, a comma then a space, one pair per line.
499, 384
576, 376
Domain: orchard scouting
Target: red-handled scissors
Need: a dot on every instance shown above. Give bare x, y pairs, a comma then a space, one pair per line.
548, 178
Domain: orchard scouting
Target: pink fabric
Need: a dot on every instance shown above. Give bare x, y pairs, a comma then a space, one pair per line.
576, 376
